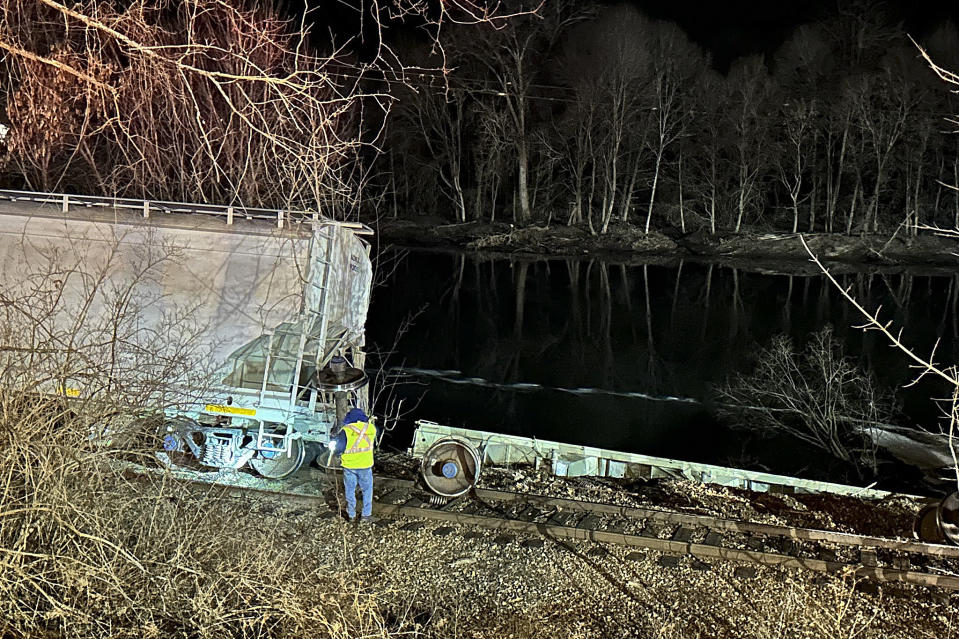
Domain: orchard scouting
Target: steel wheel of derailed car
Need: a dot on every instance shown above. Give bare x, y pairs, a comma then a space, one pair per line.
277, 465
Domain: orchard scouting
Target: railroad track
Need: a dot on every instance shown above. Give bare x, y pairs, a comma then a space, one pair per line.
702, 537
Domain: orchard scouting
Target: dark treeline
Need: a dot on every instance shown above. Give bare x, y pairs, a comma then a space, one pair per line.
605, 117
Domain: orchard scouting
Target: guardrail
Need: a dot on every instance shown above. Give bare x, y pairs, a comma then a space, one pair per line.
279, 217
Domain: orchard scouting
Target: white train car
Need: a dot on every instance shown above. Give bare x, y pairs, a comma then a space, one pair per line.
245, 326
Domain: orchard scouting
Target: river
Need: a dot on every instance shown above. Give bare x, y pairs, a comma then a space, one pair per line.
623, 355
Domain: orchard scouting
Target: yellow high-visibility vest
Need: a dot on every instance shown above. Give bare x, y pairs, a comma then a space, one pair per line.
359, 445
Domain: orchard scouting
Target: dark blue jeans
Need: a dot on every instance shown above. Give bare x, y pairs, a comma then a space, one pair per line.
363, 477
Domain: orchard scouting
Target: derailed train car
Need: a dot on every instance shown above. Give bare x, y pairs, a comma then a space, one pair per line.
245, 327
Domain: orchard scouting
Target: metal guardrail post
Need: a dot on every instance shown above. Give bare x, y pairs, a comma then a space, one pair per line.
229, 216
279, 219
146, 209
66, 203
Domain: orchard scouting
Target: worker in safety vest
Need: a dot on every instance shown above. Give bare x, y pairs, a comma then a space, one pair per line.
355, 445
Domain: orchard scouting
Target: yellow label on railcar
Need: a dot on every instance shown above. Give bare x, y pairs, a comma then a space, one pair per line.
230, 410
69, 392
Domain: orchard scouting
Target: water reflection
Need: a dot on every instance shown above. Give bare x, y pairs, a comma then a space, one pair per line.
514, 339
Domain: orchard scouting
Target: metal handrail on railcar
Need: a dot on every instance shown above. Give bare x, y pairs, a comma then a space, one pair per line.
277, 216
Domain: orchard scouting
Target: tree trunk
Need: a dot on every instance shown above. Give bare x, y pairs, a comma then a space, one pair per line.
742, 198
852, 207
812, 201
872, 211
834, 200
628, 196
652, 192
523, 186
712, 201
955, 192
682, 215
460, 197
589, 200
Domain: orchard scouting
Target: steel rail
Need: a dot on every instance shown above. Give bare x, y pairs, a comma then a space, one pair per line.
702, 551
735, 525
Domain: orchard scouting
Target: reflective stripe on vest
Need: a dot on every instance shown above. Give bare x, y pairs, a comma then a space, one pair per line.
359, 445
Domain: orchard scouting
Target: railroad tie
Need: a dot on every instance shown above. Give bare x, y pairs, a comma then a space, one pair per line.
756, 543
713, 538
530, 513
683, 534
561, 518
699, 564
828, 555
617, 526
471, 508
744, 572
394, 496
414, 502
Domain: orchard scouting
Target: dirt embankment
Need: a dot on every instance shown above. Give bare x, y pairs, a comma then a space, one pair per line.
561, 240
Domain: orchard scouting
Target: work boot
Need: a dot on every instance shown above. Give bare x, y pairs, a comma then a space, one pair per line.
368, 521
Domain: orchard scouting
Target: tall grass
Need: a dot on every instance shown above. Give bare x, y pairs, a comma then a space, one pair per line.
86, 553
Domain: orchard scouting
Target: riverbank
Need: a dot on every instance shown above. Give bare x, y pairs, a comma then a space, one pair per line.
559, 240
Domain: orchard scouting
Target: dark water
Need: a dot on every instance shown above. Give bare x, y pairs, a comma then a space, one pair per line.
623, 356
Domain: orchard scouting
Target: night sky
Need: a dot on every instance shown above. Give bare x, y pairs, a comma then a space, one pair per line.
727, 29
733, 28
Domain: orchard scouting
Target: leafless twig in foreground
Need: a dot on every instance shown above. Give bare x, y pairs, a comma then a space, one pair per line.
926, 366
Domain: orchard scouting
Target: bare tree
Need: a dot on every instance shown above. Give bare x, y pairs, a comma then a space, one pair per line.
490, 156
881, 115
675, 61
510, 56
571, 146
708, 170
792, 162
253, 115
818, 395
441, 119
749, 85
